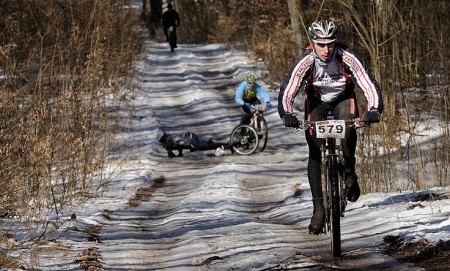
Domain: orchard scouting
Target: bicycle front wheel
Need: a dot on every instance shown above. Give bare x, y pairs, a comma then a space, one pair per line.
244, 139
263, 132
335, 205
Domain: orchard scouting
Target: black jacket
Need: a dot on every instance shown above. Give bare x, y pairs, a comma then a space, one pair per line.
170, 18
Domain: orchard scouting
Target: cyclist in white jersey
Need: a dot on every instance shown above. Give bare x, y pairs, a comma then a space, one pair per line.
329, 72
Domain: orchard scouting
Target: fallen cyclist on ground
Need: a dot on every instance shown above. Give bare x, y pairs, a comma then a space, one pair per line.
189, 141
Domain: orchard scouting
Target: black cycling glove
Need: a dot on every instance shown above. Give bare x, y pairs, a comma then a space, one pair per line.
373, 116
290, 120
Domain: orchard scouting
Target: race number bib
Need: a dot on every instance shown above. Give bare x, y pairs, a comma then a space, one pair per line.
330, 129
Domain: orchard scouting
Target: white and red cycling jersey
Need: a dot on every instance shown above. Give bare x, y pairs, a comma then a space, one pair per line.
328, 81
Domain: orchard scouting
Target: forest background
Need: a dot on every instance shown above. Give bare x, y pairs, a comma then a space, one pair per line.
404, 43
62, 62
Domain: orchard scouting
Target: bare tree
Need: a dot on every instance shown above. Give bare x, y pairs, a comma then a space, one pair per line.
298, 21
151, 14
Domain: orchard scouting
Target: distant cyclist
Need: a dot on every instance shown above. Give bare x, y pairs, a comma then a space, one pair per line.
329, 71
170, 18
248, 93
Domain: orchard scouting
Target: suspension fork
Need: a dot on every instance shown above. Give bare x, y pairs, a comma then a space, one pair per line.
329, 178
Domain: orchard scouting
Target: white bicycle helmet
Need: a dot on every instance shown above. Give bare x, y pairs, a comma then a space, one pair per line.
323, 31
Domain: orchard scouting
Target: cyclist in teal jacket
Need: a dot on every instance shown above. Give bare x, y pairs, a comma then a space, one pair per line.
248, 93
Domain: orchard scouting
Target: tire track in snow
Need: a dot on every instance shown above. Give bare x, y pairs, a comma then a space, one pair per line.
210, 213
232, 212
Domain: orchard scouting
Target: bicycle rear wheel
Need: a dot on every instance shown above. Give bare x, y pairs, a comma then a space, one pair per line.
244, 139
263, 132
335, 205
172, 40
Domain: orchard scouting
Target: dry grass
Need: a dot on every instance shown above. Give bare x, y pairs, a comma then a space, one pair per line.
144, 193
60, 61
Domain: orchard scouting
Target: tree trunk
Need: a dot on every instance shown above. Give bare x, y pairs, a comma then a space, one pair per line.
146, 8
298, 21
155, 12
177, 5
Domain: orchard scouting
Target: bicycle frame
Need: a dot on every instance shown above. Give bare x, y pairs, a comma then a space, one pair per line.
260, 124
254, 118
245, 139
171, 35
332, 189
332, 171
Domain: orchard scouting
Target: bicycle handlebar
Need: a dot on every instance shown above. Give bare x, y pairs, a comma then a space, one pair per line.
259, 107
356, 123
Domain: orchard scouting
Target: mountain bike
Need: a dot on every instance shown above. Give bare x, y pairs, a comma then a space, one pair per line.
246, 139
333, 175
172, 38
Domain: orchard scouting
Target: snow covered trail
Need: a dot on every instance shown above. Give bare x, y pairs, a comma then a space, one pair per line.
201, 212
216, 213
228, 212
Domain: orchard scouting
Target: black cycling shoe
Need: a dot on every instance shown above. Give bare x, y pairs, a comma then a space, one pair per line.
317, 222
352, 187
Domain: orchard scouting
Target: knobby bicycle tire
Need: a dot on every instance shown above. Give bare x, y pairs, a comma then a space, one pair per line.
244, 139
335, 205
263, 132
326, 194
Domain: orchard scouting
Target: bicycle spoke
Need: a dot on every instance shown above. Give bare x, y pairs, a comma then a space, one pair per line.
244, 139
